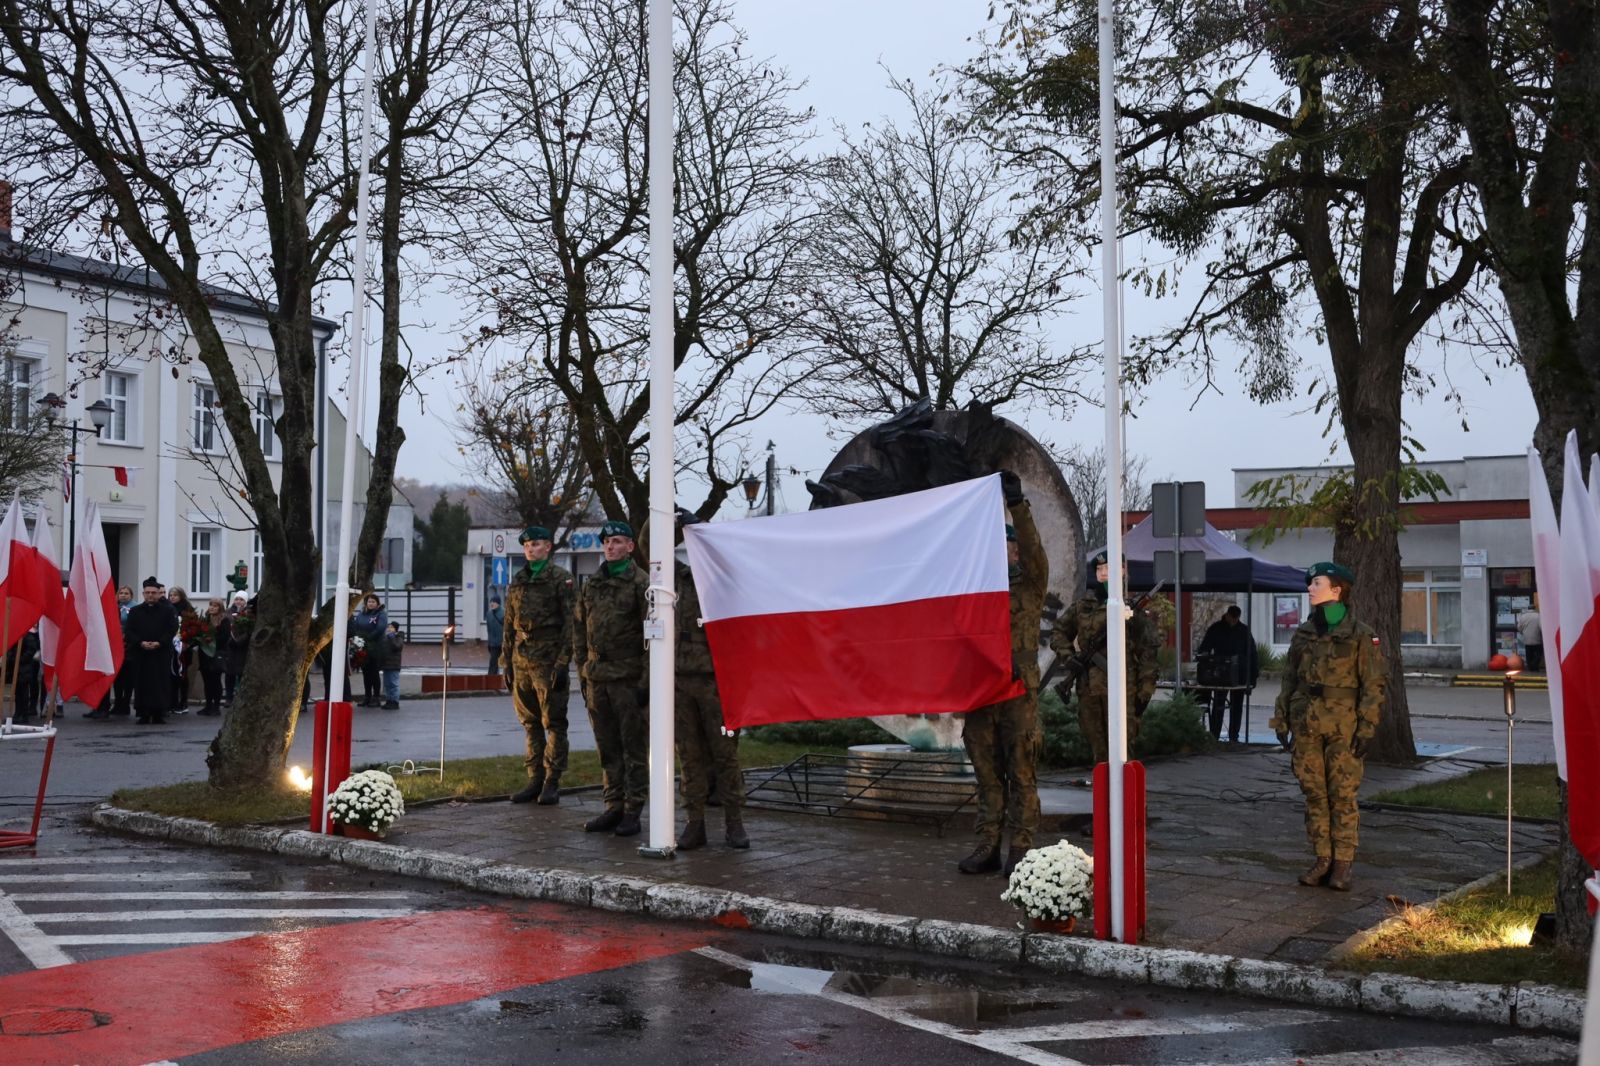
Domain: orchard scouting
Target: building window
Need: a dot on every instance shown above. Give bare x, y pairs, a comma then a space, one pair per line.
1287, 614
202, 554
266, 412
119, 393
205, 417
392, 556
1430, 606
21, 374
256, 558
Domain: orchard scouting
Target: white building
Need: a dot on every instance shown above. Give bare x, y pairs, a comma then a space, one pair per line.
494, 554
180, 516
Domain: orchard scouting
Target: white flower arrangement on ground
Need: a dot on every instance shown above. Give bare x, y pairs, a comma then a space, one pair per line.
1054, 883
369, 799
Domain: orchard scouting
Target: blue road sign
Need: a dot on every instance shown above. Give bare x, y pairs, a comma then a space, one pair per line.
500, 571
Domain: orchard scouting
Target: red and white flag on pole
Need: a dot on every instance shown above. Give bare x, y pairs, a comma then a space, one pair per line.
55, 608
1578, 645
127, 476
896, 606
21, 598
1547, 578
91, 645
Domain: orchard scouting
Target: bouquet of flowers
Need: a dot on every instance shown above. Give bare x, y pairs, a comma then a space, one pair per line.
358, 651
369, 800
1053, 883
198, 633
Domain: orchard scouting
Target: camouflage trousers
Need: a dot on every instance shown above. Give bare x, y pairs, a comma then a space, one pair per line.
1003, 741
704, 751
1330, 778
541, 704
1092, 720
621, 722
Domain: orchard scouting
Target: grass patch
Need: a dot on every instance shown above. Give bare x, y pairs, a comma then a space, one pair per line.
497, 775
1484, 792
1482, 936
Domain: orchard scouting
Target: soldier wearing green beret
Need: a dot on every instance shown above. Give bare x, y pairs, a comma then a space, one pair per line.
1003, 740
1326, 714
608, 646
534, 658
1080, 634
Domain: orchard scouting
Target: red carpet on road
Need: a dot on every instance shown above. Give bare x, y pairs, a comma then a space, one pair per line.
166, 1004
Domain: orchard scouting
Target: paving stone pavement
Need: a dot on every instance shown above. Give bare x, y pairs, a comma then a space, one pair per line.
1225, 844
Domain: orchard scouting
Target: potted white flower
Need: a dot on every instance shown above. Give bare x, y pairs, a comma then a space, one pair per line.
365, 805
1053, 886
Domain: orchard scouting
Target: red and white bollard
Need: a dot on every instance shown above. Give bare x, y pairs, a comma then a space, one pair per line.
330, 759
1132, 850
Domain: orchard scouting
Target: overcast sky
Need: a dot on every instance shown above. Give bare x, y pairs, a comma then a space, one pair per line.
836, 47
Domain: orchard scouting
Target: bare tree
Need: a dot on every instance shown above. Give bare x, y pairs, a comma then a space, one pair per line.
1085, 470
32, 449
916, 287
218, 139
556, 237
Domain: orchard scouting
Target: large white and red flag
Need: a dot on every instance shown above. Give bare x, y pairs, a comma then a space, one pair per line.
1578, 645
1547, 579
55, 609
895, 606
21, 598
91, 655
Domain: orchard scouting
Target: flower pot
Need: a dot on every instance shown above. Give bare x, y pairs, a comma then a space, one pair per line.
1061, 926
355, 832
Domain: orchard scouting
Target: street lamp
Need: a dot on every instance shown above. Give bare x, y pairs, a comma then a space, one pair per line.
100, 414
752, 488
1509, 692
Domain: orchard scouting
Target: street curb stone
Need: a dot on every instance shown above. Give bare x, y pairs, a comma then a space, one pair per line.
1524, 1006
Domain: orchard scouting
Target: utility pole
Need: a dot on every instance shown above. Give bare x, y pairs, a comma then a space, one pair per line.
772, 474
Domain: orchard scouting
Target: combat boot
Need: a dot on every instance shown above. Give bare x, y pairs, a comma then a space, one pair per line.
1317, 874
1013, 857
734, 833
1339, 878
693, 835
629, 825
550, 795
985, 860
529, 791
605, 821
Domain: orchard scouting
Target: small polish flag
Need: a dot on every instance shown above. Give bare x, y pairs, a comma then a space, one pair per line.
127, 476
894, 606
66, 482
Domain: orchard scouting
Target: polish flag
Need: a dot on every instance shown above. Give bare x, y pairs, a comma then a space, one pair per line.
21, 598
1547, 578
55, 609
1578, 645
91, 654
896, 606
127, 476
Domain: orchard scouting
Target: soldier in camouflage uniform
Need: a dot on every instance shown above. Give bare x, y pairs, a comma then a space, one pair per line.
1333, 684
706, 751
1003, 740
534, 654
1080, 632
608, 646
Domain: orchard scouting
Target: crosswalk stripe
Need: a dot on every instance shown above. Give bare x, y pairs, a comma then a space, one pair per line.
213, 914
36, 947
89, 860
1191, 1025
174, 937
128, 875
219, 894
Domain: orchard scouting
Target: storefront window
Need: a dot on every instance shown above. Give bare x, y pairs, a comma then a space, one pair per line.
1430, 606
1286, 618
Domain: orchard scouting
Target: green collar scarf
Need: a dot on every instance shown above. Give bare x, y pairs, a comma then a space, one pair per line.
618, 568
1334, 613
536, 567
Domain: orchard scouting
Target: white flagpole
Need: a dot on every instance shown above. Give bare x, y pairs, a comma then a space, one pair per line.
1116, 642
659, 628
1589, 1038
357, 407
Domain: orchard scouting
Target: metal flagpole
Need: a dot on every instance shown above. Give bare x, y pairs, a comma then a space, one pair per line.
1116, 633
358, 398
659, 629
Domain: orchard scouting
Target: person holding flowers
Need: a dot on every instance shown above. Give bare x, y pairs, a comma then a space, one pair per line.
210, 644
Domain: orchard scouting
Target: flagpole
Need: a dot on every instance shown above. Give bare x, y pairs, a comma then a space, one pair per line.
1110, 851
357, 399
659, 628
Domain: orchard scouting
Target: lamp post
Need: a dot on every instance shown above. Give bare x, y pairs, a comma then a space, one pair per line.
1510, 693
100, 414
752, 489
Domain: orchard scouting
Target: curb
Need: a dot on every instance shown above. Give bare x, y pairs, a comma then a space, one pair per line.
1523, 1006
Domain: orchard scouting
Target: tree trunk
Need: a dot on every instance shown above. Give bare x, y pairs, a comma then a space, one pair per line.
249, 750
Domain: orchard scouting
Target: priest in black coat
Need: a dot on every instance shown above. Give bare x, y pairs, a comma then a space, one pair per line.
147, 645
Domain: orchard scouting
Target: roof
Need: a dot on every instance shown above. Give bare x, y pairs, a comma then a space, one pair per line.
132, 278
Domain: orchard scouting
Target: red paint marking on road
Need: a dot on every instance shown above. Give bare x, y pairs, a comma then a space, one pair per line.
734, 919
167, 1004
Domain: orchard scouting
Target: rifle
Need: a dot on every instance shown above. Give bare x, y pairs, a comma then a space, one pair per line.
1073, 666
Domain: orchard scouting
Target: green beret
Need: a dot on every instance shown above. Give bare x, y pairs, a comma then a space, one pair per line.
534, 533
1011, 531
1100, 558
615, 529
1330, 570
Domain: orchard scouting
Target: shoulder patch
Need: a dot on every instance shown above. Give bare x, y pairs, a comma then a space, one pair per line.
1374, 640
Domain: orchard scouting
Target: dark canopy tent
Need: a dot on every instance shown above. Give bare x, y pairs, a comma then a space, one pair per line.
1229, 566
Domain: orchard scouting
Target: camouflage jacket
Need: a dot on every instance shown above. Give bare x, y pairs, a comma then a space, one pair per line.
1333, 682
608, 627
694, 651
538, 622
1081, 630
1028, 586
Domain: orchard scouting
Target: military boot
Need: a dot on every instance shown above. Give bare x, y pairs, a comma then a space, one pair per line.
1013, 857
529, 792
734, 833
550, 795
985, 860
629, 825
605, 821
1339, 878
693, 835
1318, 872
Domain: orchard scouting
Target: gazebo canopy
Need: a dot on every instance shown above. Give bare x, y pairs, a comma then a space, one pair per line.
1229, 566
